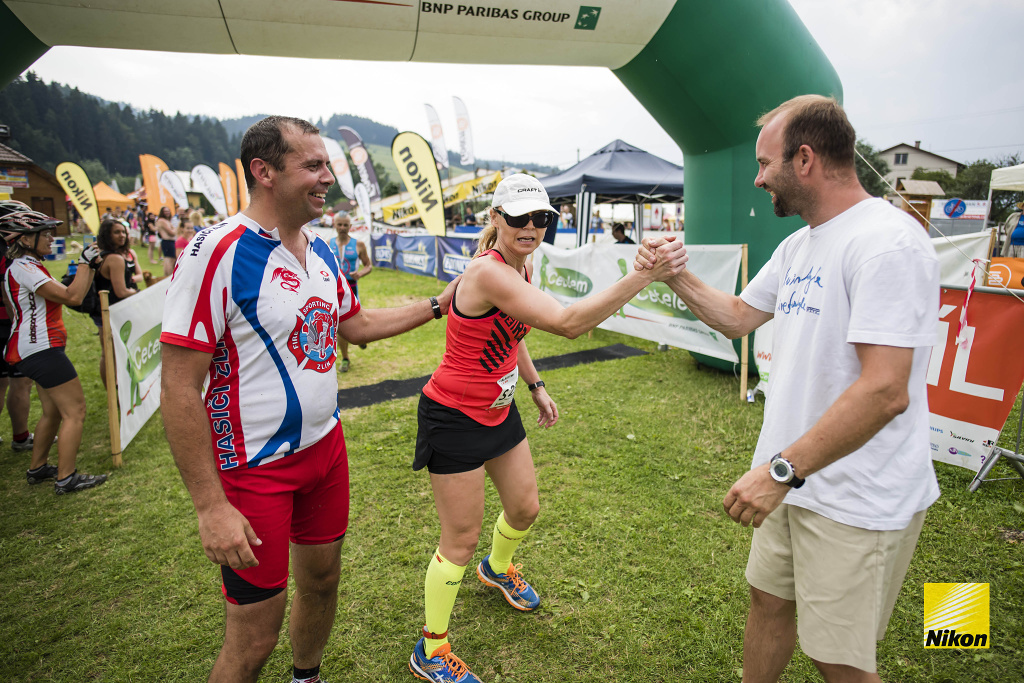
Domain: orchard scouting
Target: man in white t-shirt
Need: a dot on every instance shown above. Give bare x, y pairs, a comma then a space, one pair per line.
249, 398
842, 474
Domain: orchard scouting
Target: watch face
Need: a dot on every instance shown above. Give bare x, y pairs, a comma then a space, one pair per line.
780, 472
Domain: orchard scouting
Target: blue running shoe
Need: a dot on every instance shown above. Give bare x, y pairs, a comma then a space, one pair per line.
443, 667
513, 586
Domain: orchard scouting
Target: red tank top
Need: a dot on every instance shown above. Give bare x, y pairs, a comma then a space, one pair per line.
478, 372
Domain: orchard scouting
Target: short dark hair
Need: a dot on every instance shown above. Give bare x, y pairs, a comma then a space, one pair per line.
820, 123
265, 140
619, 227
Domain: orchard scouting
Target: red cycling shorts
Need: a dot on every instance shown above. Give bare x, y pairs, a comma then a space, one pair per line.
301, 498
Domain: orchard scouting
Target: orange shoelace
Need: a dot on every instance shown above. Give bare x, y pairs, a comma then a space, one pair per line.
456, 666
517, 580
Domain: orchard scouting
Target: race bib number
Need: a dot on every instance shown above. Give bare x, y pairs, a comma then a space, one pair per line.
507, 384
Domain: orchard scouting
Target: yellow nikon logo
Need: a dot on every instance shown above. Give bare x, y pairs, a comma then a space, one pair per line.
956, 615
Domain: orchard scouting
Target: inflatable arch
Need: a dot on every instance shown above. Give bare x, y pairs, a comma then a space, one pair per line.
704, 70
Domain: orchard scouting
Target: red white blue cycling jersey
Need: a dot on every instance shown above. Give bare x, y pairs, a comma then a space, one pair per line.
238, 293
37, 324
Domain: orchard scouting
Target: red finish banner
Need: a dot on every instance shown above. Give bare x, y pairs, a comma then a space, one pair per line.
972, 386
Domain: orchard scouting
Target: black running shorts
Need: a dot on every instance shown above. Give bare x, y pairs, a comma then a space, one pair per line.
449, 442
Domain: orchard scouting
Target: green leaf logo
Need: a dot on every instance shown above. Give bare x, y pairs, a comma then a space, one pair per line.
658, 298
587, 19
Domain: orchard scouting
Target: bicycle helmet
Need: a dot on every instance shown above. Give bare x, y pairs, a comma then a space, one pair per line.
17, 219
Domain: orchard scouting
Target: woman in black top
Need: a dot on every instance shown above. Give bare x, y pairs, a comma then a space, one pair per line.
116, 273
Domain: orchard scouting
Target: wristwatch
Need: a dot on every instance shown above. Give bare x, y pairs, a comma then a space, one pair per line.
536, 385
436, 306
782, 471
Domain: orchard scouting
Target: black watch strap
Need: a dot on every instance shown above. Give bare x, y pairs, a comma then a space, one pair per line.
536, 385
436, 306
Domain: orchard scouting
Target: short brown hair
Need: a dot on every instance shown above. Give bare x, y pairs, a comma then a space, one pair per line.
265, 140
820, 123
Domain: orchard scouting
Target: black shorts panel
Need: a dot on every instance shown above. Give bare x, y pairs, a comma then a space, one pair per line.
6, 369
449, 442
238, 591
167, 248
49, 368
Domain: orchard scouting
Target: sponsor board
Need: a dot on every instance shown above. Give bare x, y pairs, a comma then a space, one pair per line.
956, 616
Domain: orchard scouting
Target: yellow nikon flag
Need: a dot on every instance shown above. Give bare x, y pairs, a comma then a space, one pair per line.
77, 186
243, 189
156, 196
230, 185
415, 162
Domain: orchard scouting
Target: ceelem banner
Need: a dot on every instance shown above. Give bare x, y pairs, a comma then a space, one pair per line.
157, 196
972, 386
230, 186
415, 162
78, 188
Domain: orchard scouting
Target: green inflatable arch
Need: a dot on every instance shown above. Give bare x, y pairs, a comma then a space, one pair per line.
704, 70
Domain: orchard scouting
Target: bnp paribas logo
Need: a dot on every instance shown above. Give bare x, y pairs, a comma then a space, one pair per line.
956, 615
587, 19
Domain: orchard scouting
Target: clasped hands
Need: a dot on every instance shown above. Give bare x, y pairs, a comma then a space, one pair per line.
654, 252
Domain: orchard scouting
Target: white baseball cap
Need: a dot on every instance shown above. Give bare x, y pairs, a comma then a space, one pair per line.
519, 194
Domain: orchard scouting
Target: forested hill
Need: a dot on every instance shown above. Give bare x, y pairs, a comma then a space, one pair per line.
51, 123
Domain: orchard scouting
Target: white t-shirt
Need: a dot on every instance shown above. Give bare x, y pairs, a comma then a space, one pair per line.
868, 276
271, 325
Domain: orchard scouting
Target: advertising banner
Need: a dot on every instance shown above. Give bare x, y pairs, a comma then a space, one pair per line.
454, 194
972, 386
363, 201
229, 184
157, 196
656, 313
77, 186
135, 325
340, 165
243, 189
172, 183
206, 180
362, 161
466, 157
455, 253
437, 138
1006, 272
960, 209
416, 255
382, 251
14, 177
415, 163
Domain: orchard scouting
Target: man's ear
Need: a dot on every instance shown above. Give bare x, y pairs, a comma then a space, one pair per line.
262, 172
804, 159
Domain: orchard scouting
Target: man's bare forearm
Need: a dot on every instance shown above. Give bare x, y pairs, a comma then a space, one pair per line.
726, 313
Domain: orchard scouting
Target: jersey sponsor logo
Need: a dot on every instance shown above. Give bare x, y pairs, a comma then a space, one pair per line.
312, 340
326, 276
289, 280
506, 334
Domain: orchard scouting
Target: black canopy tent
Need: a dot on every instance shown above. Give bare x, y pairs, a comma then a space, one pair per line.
617, 173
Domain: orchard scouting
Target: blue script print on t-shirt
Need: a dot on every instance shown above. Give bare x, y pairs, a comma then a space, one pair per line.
801, 285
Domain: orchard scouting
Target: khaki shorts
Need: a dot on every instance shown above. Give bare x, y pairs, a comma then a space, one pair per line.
844, 579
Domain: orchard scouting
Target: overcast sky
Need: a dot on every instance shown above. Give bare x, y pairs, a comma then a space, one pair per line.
945, 72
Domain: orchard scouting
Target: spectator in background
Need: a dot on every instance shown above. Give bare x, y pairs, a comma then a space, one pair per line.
15, 388
149, 235
37, 301
116, 274
566, 216
349, 252
166, 232
619, 234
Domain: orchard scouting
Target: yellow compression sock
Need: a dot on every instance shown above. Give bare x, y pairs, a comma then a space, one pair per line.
504, 542
440, 589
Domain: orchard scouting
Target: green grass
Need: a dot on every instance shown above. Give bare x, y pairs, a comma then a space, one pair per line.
639, 569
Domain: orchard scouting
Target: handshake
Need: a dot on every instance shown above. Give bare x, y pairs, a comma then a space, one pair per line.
663, 257
91, 257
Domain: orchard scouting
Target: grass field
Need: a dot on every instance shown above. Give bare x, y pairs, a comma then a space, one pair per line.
639, 569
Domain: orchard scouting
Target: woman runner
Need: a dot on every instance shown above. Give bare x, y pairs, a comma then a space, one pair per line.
468, 422
38, 338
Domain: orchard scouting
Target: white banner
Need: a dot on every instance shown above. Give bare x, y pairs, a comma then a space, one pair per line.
340, 165
135, 324
437, 138
363, 200
960, 209
466, 157
656, 313
954, 269
206, 180
171, 182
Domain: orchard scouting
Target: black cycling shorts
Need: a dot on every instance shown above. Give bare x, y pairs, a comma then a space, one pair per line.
449, 441
48, 368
